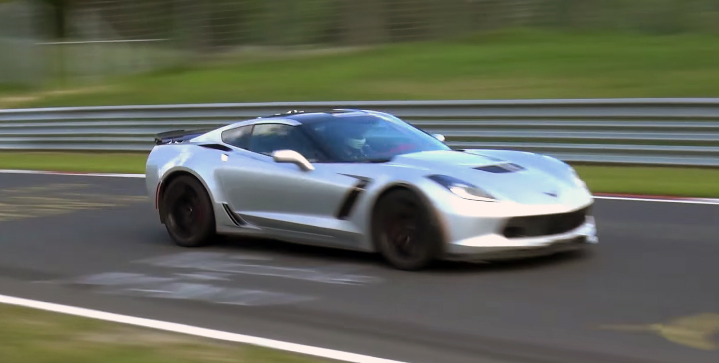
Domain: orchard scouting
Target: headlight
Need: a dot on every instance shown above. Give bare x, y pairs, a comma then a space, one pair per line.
463, 189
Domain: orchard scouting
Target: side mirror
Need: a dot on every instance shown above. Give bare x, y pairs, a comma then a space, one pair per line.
439, 137
291, 156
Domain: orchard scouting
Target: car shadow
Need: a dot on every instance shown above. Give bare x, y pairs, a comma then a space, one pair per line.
335, 255
527, 263
297, 250
339, 256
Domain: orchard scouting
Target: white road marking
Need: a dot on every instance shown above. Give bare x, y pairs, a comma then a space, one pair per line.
706, 201
195, 331
41, 172
687, 200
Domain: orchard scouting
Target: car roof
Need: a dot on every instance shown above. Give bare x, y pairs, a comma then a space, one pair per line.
319, 116
295, 117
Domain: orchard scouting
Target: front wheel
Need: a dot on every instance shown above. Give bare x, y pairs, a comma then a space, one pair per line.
189, 217
404, 231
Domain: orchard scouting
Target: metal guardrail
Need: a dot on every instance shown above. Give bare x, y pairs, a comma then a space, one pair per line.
634, 131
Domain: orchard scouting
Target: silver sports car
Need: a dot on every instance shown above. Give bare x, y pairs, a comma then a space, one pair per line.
368, 181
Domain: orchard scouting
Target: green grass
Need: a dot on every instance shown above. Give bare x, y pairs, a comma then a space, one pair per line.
71, 161
516, 64
33, 336
695, 182
673, 181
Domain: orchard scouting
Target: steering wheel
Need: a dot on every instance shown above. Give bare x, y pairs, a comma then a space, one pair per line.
401, 147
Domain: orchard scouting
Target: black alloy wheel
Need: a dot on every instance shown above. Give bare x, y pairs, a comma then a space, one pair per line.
189, 217
404, 231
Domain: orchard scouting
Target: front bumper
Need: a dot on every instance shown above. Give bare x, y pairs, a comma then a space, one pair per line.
496, 247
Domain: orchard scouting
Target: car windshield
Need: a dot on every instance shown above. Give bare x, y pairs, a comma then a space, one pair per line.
359, 137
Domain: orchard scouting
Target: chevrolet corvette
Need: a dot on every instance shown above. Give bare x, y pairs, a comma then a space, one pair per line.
367, 181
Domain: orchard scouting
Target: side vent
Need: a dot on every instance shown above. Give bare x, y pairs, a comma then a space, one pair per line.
501, 168
217, 147
236, 219
351, 199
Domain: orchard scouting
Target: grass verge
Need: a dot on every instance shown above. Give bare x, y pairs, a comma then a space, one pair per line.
119, 162
669, 181
694, 182
503, 65
35, 336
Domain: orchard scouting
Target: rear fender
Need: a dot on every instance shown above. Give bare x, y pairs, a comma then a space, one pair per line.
167, 162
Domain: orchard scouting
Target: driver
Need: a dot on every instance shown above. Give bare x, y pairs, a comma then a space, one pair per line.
353, 143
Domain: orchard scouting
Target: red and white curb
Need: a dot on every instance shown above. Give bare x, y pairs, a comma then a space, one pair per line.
606, 196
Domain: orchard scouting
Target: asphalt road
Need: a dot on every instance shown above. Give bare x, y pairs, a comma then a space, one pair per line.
97, 243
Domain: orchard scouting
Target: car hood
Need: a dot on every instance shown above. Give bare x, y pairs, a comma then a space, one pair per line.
508, 175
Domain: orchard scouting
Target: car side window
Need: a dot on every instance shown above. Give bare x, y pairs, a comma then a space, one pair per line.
267, 138
238, 136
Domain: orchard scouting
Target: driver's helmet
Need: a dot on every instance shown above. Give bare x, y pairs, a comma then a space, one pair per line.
354, 135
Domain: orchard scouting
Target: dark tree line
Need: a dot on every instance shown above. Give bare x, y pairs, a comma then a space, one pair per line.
217, 23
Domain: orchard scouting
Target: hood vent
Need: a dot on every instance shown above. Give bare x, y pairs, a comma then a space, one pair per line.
500, 168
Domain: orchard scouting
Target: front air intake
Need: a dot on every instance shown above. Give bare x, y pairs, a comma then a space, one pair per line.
545, 225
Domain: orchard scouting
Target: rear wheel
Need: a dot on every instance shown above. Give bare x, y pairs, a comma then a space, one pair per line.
405, 231
189, 217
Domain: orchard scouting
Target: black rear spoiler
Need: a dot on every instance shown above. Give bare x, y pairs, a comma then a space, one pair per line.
176, 136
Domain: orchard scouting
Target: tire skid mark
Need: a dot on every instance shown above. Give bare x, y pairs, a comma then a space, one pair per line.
179, 288
232, 264
56, 199
208, 277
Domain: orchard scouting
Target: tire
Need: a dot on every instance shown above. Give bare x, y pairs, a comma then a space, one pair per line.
189, 216
405, 232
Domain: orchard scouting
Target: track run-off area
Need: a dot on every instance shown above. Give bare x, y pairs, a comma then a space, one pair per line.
648, 292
